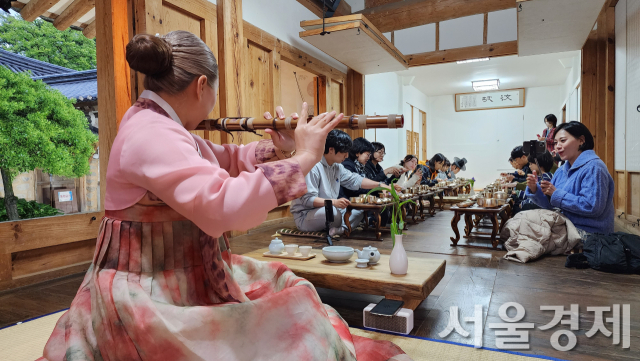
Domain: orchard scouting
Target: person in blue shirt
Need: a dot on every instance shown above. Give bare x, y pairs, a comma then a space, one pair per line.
541, 165
582, 187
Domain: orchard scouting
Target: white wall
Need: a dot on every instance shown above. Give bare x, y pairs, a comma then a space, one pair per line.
383, 95
412, 96
627, 122
571, 95
281, 18
621, 84
486, 137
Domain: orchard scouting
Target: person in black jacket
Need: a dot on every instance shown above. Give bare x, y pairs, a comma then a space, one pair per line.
430, 170
359, 154
522, 163
374, 170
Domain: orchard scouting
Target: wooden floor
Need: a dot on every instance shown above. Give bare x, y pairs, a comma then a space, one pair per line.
473, 277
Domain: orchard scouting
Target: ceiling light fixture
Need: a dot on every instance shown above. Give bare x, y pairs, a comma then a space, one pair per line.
484, 85
472, 60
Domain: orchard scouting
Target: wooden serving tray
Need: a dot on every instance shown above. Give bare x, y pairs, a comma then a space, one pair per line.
285, 255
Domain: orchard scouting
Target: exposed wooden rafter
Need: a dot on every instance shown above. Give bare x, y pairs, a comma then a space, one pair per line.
373, 3
471, 52
486, 28
411, 13
49, 16
35, 8
90, 30
316, 7
73, 13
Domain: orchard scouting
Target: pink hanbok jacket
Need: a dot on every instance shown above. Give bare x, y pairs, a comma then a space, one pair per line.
218, 187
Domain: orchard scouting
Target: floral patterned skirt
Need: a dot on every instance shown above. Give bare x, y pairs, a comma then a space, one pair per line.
161, 289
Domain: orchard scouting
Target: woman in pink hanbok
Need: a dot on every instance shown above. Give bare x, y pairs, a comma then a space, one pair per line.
163, 284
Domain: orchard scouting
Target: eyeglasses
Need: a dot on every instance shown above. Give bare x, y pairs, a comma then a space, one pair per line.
381, 152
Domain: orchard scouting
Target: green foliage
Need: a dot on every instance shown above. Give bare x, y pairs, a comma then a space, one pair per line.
397, 223
29, 209
41, 40
40, 128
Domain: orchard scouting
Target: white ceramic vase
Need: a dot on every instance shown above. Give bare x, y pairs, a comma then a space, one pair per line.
472, 192
398, 262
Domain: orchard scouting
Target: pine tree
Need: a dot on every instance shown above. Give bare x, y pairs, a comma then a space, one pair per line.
42, 41
39, 128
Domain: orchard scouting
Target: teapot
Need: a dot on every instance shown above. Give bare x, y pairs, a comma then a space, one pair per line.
370, 253
276, 246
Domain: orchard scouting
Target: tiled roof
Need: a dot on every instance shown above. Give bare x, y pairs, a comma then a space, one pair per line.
19, 63
80, 85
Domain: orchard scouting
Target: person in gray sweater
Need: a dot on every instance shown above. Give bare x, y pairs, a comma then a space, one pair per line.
324, 182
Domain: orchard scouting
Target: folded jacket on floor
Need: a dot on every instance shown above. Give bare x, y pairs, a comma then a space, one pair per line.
531, 234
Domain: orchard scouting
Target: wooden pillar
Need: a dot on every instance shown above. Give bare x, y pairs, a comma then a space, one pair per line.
355, 92
610, 79
231, 44
598, 129
275, 79
354, 87
114, 82
588, 81
320, 84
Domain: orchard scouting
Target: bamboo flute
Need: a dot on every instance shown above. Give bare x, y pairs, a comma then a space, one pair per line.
239, 124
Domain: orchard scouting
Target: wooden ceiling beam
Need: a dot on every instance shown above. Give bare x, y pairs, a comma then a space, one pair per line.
471, 52
411, 13
316, 7
373, 3
73, 13
90, 30
34, 8
47, 16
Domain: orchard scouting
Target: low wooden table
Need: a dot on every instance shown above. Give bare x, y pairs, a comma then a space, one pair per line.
479, 212
439, 192
413, 288
376, 209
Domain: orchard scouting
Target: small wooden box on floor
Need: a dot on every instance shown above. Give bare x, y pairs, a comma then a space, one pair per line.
413, 288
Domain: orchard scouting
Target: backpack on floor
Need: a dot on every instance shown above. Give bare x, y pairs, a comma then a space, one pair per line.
617, 252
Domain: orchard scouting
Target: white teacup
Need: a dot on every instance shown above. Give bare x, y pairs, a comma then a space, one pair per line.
305, 250
291, 249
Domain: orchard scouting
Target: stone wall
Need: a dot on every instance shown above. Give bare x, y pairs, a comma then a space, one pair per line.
24, 186
92, 184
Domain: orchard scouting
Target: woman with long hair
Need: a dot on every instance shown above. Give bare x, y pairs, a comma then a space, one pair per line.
582, 187
375, 171
412, 173
430, 170
163, 284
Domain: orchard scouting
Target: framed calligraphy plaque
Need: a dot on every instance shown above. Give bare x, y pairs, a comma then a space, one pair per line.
496, 99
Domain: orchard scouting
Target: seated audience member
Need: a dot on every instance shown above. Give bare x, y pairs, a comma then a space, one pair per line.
457, 165
522, 163
546, 163
582, 188
374, 170
355, 163
324, 182
444, 173
413, 173
430, 171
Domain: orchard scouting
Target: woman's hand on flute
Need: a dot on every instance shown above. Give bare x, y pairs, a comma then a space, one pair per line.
311, 136
282, 139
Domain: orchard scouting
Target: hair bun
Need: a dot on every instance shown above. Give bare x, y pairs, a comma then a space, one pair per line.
150, 55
